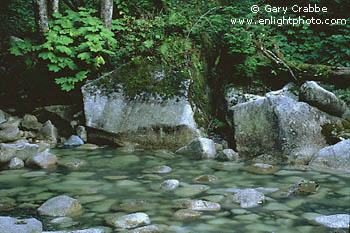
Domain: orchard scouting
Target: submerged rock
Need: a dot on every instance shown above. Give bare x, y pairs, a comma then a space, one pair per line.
130, 206
248, 198
205, 179
201, 148
261, 168
334, 221
13, 225
191, 190
146, 229
198, 205
334, 157
187, 214
162, 169
302, 188
169, 184
128, 221
60, 206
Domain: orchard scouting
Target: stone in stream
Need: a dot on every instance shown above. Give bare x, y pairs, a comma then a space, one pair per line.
187, 214
146, 229
334, 221
261, 169
162, 169
201, 148
13, 225
73, 140
130, 206
42, 160
334, 157
227, 155
303, 187
248, 198
191, 190
21, 150
198, 205
88, 146
16, 163
63, 222
90, 230
7, 203
205, 179
128, 221
169, 185
61, 206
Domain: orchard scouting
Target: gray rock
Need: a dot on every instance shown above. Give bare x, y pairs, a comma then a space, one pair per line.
7, 152
129, 221
198, 205
146, 229
74, 140
16, 163
248, 198
61, 206
261, 168
227, 155
11, 122
279, 125
162, 169
10, 134
81, 132
334, 221
235, 95
169, 184
191, 190
130, 206
42, 160
2, 116
319, 97
7, 204
13, 225
202, 148
30, 122
48, 132
90, 230
187, 214
334, 157
164, 123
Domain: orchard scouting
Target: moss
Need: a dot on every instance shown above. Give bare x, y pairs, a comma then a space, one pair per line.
311, 70
346, 124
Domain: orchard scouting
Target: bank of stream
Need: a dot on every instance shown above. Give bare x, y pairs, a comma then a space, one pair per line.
109, 181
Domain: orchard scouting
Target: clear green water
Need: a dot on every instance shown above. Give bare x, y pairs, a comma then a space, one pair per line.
112, 176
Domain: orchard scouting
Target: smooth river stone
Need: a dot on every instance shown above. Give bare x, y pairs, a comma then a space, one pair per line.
162, 169
187, 214
191, 190
128, 221
205, 179
198, 205
34, 174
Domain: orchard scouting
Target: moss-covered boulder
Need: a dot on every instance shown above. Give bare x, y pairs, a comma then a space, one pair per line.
146, 104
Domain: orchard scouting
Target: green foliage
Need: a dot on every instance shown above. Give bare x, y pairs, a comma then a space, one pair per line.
76, 45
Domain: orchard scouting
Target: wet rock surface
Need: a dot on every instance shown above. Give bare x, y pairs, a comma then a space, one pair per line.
13, 225
129, 221
61, 206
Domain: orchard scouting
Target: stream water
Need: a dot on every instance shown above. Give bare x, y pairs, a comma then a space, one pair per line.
103, 179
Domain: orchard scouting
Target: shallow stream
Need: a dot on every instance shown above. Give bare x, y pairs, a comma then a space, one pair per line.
102, 179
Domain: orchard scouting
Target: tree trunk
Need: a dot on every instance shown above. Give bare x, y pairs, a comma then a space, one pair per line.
55, 6
303, 72
107, 13
43, 16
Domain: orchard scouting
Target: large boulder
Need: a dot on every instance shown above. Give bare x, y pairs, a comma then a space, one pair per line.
13, 225
319, 97
146, 119
9, 131
30, 122
280, 126
333, 157
42, 160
